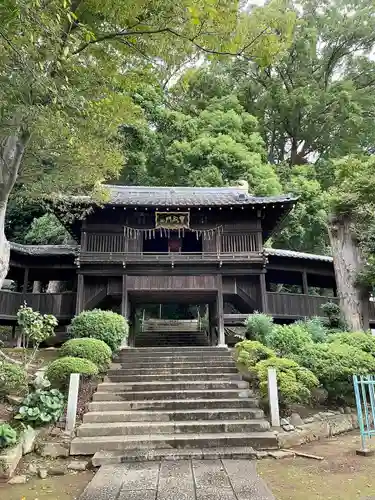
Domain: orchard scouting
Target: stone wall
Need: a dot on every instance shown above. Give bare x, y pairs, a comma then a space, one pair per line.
296, 431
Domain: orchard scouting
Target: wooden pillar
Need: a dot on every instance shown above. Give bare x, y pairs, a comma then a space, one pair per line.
305, 284
212, 323
80, 293
220, 311
263, 292
25, 280
124, 306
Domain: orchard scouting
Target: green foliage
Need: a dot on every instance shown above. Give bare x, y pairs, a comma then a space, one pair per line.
107, 326
250, 352
288, 339
316, 329
294, 381
41, 407
35, 327
8, 436
364, 341
94, 350
46, 230
335, 364
258, 326
58, 372
13, 379
333, 314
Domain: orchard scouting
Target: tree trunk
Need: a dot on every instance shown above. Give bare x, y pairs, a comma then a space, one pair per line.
54, 286
12, 149
348, 261
37, 286
4, 246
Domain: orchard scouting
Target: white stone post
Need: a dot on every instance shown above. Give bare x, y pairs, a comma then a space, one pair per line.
273, 398
71, 413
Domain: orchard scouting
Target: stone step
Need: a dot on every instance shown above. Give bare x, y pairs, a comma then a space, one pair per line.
133, 360
135, 365
171, 385
194, 427
173, 394
180, 350
91, 445
117, 457
169, 377
174, 404
170, 370
172, 416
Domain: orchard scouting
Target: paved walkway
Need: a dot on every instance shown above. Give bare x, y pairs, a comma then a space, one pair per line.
179, 480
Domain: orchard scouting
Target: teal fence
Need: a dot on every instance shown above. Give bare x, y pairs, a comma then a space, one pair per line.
364, 389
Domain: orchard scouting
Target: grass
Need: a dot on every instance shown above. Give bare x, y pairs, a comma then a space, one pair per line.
342, 475
43, 357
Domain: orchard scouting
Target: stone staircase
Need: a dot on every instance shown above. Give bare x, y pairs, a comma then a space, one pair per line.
164, 333
170, 402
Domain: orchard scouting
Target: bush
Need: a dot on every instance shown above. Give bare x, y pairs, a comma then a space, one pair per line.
13, 379
294, 381
258, 326
335, 364
41, 407
332, 312
58, 372
250, 352
94, 350
8, 436
107, 326
364, 341
288, 339
316, 328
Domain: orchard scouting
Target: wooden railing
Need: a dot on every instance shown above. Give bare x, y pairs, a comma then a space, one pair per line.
61, 305
299, 305
171, 257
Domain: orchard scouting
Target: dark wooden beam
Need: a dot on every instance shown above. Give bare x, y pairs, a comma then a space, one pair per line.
263, 292
80, 293
220, 310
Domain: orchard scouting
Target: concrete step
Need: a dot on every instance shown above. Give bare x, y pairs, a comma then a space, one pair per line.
173, 394
170, 377
118, 457
171, 370
171, 385
174, 404
193, 427
91, 445
173, 416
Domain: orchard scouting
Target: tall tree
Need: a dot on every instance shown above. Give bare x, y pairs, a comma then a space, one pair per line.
66, 67
352, 214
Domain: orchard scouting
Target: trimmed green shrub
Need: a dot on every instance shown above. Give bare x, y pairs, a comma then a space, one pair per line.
250, 352
332, 312
316, 328
335, 364
41, 407
13, 379
58, 372
258, 326
8, 436
288, 339
94, 350
295, 382
107, 326
364, 341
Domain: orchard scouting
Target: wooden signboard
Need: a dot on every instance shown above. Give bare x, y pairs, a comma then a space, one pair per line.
172, 220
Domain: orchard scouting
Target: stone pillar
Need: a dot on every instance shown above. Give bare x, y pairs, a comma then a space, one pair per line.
220, 312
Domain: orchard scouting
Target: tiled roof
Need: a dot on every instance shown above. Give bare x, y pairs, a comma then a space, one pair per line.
188, 196
41, 250
297, 255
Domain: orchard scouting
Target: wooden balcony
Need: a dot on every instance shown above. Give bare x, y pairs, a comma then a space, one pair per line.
170, 257
61, 305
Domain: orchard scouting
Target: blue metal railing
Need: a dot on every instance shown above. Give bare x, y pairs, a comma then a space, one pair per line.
364, 390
